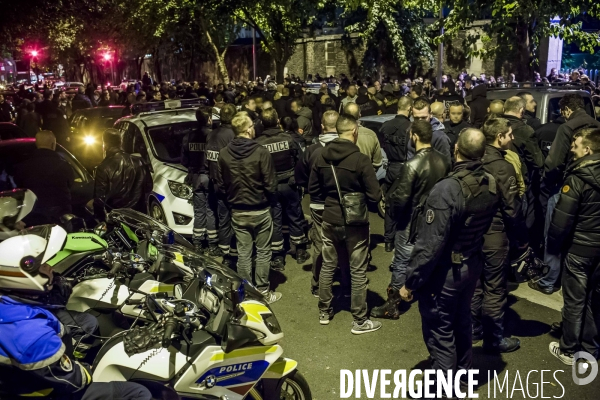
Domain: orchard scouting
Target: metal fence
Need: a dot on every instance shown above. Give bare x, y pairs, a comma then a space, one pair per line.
593, 74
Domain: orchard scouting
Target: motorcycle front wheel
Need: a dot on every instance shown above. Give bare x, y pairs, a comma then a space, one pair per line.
293, 387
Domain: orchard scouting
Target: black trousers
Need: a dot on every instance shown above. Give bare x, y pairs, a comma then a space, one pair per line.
389, 223
288, 203
115, 391
445, 307
581, 311
489, 301
225, 235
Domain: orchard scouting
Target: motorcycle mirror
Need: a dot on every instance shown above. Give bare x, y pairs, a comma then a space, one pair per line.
73, 223
100, 229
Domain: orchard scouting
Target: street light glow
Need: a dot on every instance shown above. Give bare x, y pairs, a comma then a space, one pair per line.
34, 53
106, 56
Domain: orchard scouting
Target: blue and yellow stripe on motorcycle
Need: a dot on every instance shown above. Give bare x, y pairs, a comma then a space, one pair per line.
253, 351
280, 368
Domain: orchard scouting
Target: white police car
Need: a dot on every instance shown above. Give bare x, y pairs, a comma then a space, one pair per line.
155, 133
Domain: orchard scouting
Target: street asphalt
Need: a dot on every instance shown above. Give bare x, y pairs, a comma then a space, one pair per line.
322, 351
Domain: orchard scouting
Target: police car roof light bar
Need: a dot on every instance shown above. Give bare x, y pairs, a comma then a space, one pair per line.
167, 105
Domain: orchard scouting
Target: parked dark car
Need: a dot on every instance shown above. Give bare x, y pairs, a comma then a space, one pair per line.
87, 126
17, 150
8, 131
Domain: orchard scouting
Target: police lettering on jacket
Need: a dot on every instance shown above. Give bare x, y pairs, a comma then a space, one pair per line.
282, 148
194, 151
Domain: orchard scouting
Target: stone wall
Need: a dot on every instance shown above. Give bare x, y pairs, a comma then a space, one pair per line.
325, 55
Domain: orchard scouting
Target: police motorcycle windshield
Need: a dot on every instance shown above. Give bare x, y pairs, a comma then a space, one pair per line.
212, 273
141, 221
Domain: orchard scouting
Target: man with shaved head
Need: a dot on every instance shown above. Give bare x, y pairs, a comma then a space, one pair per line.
438, 110
526, 145
317, 203
342, 168
367, 142
447, 257
497, 108
49, 177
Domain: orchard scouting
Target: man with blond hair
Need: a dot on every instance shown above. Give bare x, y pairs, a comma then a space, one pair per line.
246, 177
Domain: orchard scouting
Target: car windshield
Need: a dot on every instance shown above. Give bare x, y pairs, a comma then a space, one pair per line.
554, 108
166, 140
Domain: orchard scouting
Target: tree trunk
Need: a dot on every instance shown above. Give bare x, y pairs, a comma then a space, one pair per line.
220, 58
524, 72
139, 62
157, 67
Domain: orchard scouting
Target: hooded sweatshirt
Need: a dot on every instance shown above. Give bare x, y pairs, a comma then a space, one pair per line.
479, 105
305, 123
574, 227
354, 172
246, 175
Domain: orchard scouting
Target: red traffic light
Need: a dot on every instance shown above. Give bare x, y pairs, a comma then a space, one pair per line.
34, 53
106, 57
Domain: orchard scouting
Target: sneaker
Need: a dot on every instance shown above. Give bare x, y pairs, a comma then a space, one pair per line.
540, 288
565, 358
365, 327
278, 264
315, 292
324, 318
272, 296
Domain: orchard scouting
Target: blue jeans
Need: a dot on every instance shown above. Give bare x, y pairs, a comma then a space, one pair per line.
402, 251
551, 260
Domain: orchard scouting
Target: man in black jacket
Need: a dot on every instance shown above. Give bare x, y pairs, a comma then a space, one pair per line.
575, 231
49, 177
122, 180
479, 104
193, 157
355, 174
246, 177
395, 145
530, 108
572, 109
285, 153
417, 177
447, 258
525, 144
317, 203
489, 301
217, 140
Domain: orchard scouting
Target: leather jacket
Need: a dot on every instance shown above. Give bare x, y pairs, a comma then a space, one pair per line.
122, 181
417, 177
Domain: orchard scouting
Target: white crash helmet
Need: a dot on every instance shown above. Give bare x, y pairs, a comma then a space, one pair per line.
23, 267
14, 206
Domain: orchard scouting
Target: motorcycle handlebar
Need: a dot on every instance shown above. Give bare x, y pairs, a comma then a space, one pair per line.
170, 325
116, 267
133, 302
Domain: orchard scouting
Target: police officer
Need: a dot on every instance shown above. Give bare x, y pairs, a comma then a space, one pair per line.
489, 301
216, 141
35, 345
447, 258
285, 153
395, 145
193, 156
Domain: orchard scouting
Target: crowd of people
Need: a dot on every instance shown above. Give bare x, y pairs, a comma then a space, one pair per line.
475, 191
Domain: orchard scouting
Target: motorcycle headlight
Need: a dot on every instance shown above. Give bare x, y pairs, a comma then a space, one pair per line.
181, 190
272, 323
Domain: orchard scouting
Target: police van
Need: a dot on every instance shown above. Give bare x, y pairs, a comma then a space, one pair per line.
155, 132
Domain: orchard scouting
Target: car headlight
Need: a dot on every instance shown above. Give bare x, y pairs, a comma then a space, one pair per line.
181, 190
